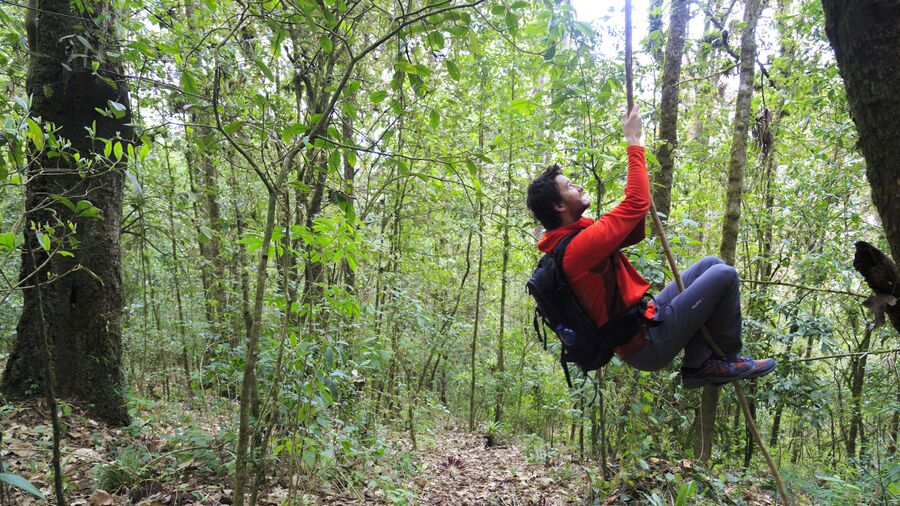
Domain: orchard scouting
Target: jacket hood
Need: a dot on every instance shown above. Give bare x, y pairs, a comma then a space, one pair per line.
551, 237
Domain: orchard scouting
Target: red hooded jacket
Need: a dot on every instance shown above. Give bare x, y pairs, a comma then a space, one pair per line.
587, 261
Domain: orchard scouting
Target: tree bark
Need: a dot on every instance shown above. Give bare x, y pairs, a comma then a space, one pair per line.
668, 107
738, 157
473, 351
709, 401
857, 380
81, 295
865, 36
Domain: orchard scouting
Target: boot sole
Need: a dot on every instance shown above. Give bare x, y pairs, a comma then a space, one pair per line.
699, 382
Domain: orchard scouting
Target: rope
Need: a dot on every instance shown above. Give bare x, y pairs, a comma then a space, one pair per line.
751, 424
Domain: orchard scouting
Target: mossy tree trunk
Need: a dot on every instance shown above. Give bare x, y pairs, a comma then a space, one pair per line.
865, 36
668, 107
79, 295
738, 157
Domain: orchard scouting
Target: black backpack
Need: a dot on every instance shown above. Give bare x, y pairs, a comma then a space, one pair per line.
583, 343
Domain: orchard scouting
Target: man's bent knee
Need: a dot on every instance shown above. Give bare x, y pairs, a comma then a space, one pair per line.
709, 261
724, 272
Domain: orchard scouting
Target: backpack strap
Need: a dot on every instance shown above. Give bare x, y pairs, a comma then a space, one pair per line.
565, 367
538, 328
560, 248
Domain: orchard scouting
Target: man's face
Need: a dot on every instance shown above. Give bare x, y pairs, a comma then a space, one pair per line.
574, 201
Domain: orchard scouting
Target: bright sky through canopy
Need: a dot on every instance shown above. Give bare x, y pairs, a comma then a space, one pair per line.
590, 10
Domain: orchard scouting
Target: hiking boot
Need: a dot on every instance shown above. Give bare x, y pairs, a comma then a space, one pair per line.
717, 370
761, 366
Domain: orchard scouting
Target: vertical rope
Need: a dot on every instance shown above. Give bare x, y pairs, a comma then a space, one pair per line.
629, 76
629, 89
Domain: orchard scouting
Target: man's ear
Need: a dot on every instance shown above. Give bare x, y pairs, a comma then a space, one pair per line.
559, 207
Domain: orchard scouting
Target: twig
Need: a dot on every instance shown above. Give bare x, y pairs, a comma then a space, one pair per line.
804, 287
844, 355
718, 72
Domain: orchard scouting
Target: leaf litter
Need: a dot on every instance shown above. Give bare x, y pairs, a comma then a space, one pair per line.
452, 467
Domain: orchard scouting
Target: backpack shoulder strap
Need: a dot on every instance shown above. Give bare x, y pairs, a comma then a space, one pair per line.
560, 249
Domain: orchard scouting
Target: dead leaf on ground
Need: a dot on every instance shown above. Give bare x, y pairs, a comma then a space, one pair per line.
101, 497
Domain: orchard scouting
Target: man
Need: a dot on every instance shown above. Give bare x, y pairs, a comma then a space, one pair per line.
605, 283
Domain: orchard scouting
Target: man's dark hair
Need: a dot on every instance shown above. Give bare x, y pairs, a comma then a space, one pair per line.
543, 195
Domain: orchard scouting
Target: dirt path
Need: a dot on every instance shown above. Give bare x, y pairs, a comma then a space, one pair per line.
461, 470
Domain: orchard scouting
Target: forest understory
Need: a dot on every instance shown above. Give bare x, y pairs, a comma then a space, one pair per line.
275, 252
173, 455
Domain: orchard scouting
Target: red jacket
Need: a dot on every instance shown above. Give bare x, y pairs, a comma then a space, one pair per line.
586, 262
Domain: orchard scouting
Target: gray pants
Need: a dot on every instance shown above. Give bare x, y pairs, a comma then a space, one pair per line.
711, 297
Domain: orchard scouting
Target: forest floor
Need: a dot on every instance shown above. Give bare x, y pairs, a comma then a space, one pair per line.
158, 465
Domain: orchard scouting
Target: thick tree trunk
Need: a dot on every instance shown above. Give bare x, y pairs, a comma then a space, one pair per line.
865, 36
668, 107
738, 157
81, 295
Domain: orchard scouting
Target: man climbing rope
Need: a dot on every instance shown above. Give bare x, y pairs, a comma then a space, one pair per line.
606, 284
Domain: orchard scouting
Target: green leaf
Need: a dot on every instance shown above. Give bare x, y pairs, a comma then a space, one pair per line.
261, 65
550, 53
188, 83
511, 20
334, 160
684, 493
434, 118
107, 148
118, 110
418, 85
93, 212
473, 169
19, 482
144, 151
117, 150
233, 127
452, 70
7, 241
407, 67
35, 134
43, 240
326, 44
436, 40
64, 201
522, 105
378, 96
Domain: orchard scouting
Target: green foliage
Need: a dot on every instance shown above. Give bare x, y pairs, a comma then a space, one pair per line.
128, 470
369, 291
22, 483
